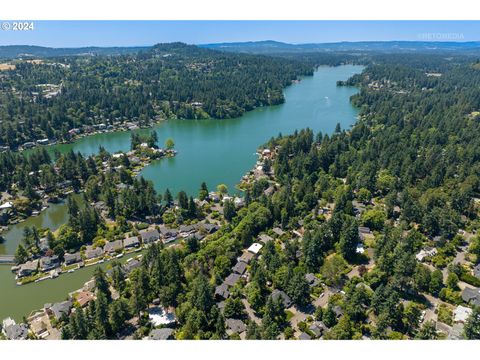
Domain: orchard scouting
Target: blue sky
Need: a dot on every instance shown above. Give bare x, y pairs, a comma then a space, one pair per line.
131, 33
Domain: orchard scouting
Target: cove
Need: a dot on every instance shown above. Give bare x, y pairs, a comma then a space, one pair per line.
214, 151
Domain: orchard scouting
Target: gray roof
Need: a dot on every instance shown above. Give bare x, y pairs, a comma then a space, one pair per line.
232, 279
318, 328
150, 235
279, 294
264, 238
161, 334
304, 336
72, 258
476, 271
113, 246
471, 296
222, 291
131, 241
278, 231
240, 267
235, 325
312, 279
131, 265
246, 257
17, 332
93, 253
58, 309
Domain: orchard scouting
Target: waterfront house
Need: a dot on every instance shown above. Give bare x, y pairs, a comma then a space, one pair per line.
16, 332
72, 258
269, 191
91, 253
161, 334
28, 268
113, 246
58, 309
239, 202
214, 197
131, 242
83, 298
150, 236
168, 235
284, 298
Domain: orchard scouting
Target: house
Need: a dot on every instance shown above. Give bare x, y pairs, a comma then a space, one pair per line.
278, 231
16, 331
150, 236
168, 235
58, 309
476, 271
28, 268
240, 267
364, 230
279, 294
456, 332
359, 249
214, 197
461, 314
83, 298
269, 191
246, 257
471, 296
160, 316
49, 262
264, 238
312, 279
239, 202
161, 334
318, 328
255, 248
221, 291
232, 279
234, 326
186, 230
338, 311
131, 265
72, 258
91, 253
424, 253
304, 336
131, 242
113, 246
210, 228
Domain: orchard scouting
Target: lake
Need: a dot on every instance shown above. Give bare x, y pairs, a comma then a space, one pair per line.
213, 151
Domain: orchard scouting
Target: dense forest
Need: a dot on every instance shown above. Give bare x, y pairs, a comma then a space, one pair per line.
47, 98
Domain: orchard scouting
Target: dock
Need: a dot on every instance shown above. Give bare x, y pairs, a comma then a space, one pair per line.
7, 259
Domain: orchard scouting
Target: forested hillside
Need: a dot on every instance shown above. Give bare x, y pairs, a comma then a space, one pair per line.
48, 98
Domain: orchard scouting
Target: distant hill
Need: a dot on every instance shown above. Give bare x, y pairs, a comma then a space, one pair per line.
254, 47
16, 51
270, 46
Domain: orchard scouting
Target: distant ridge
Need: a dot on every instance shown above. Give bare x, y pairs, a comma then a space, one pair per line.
254, 47
16, 51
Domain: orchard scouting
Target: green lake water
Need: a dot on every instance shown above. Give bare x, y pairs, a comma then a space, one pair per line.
214, 151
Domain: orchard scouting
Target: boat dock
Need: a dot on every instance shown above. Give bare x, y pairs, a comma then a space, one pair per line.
7, 259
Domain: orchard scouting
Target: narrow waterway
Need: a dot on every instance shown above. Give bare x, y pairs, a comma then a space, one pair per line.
214, 151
